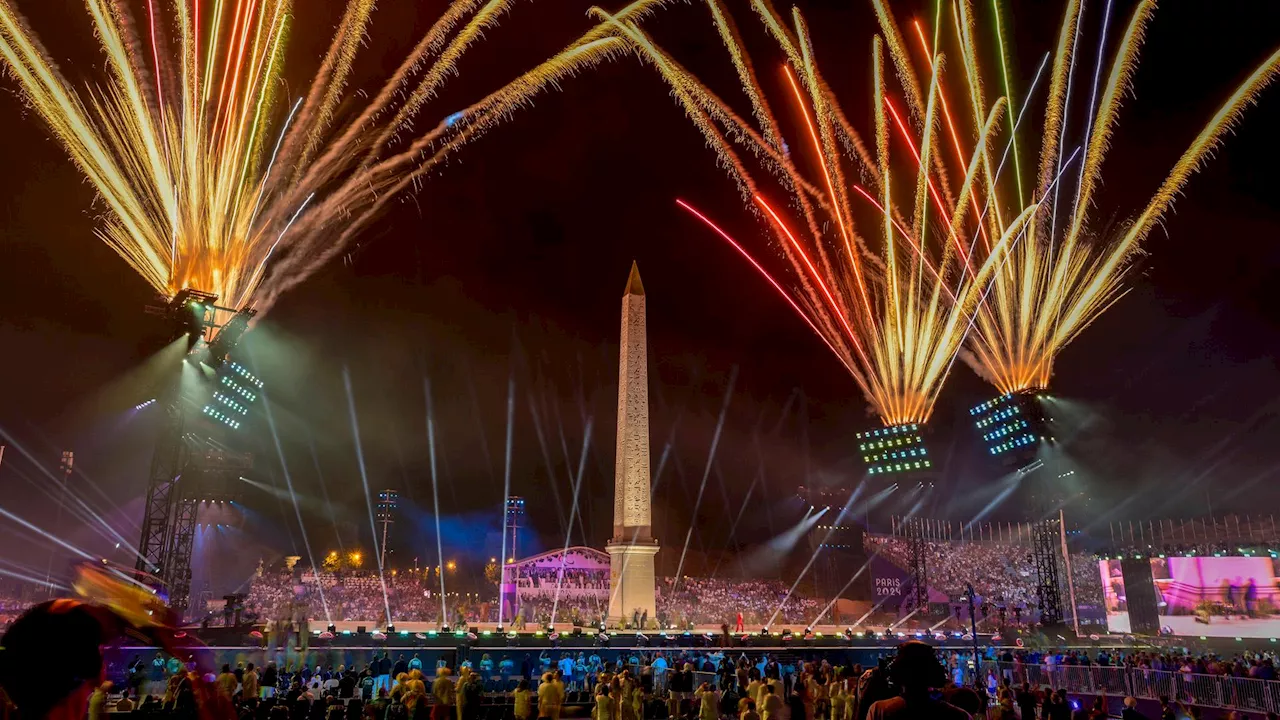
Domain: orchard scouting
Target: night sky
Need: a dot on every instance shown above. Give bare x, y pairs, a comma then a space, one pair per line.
511, 263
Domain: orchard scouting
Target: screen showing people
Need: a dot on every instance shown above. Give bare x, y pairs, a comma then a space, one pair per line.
1217, 596
1113, 596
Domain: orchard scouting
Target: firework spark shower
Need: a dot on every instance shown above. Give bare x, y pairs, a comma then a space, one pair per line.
892, 305
213, 177
1065, 274
976, 255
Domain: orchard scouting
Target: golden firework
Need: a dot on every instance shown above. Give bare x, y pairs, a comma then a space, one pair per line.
893, 305
214, 179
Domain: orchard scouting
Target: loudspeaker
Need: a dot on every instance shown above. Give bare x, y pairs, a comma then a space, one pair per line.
1140, 594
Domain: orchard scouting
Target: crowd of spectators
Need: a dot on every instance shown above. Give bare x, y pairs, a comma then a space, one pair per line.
548, 579
353, 596
360, 596
12, 604
692, 601
1001, 574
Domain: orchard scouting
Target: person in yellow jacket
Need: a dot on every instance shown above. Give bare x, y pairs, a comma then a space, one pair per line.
523, 697
839, 699
753, 690
604, 704
442, 691
812, 696
628, 703
772, 706
708, 702
549, 697
761, 693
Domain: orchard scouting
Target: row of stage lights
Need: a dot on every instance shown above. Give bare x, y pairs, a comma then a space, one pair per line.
1022, 441
899, 467
230, 401
1005, 430
244, 373
643, 640
895, 455
219, 415
226, 380
1003, 414
978, 410
225, 400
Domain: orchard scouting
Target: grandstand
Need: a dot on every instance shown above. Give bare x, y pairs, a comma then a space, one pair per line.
1001, 571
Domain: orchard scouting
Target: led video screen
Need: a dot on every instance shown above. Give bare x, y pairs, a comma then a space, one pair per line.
1113, 596
1217, 596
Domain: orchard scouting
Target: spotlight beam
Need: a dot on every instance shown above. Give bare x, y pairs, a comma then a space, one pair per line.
364, 480
873, 500
297, 512
506, 489
908, 617
82, 510
853, 497
706, 471
573, 512
324, 489
435, 497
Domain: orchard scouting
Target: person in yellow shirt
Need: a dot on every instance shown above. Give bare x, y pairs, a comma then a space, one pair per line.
753, 690
812, 696
772, 705
615, 693
604, 703
226, 682
839, 699
708, 702
442, 691
98, 700
761, 692
548, 697
523, 697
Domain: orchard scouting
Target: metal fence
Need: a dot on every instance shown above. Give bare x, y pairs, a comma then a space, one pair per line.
1218, 691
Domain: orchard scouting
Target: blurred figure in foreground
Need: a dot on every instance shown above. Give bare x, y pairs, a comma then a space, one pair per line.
915, 671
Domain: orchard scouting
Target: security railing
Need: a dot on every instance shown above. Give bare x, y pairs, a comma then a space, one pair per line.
1218, 691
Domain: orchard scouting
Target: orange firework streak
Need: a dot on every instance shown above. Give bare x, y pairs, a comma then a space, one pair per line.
813, 272
906, 236
765, 273
831, 192
893, 322
937, 200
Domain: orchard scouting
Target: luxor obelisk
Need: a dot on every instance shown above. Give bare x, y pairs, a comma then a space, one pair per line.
631, 551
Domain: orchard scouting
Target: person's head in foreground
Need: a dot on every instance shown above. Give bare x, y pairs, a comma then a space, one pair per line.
916, 668
64, 636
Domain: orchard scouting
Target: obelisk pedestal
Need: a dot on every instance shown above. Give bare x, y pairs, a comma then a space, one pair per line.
632, 548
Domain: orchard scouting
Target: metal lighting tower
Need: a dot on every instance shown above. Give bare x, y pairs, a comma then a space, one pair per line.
917, 554
514, 519
182, 448
1045, 539
388, 502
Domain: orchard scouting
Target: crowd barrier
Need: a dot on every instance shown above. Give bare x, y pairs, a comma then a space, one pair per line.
1216, 691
